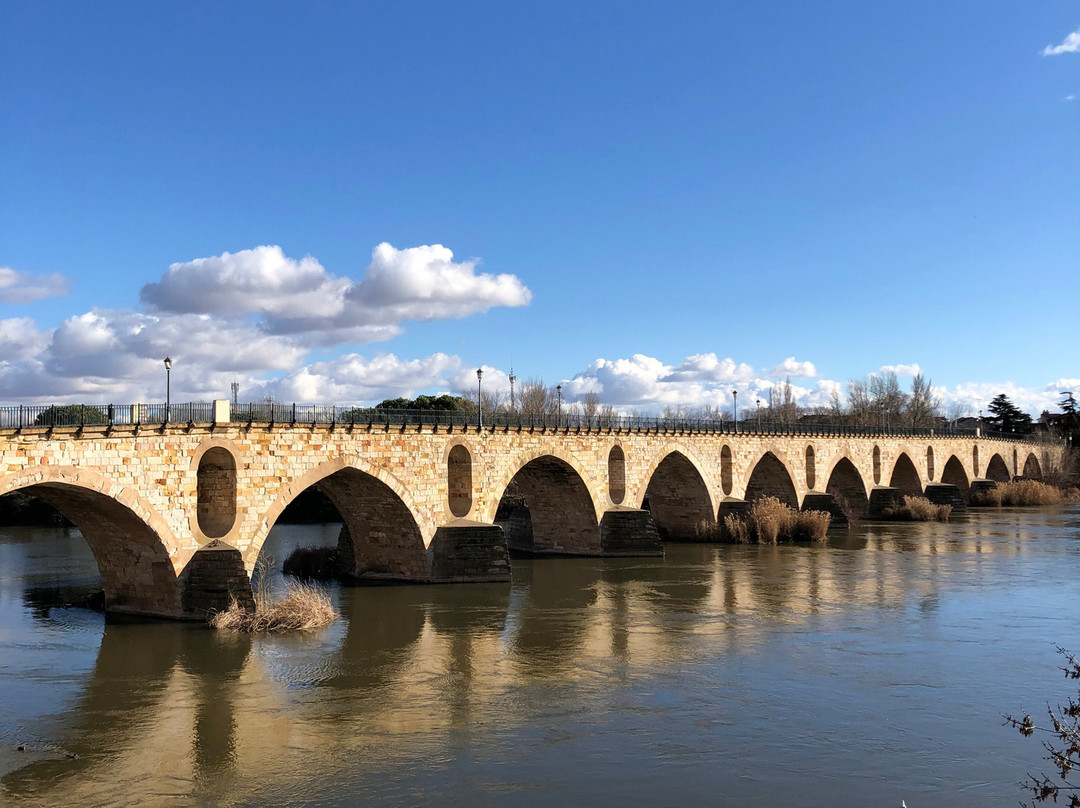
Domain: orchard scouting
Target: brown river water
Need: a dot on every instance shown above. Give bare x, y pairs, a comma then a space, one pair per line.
868, 671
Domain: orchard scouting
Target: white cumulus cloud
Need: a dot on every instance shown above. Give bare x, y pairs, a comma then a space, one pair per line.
792, 367
911, 369
1070, 45
17, 287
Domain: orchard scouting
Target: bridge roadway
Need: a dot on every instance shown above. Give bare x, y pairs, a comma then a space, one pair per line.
176, 514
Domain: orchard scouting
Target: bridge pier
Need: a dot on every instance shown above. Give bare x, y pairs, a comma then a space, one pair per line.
212, 578
818, 501
979, 487
465, 551
629, 532
946, 494
883, 498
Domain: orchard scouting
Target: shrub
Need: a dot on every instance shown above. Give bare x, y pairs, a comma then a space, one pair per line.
312, 563
769, 521
1025, 493
919, 509
304, 608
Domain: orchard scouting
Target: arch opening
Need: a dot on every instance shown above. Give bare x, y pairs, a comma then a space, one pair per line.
997, 470
546, 508
136, 573
905, 477
678, 499
954, 474
216, 498
459, 482
1032, 469
379, 537
848, 489
770, 478
616, 469
811, 471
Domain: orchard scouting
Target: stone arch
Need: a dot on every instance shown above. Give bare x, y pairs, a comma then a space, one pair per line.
616, 467
726, 470
215, 509
678, 498
905, 477
930, 464
556, 512
136, 553
954, 474
459, 480
771, 478
381, 525
997, 470
1032, 469
877, 465
811, 470
848, 488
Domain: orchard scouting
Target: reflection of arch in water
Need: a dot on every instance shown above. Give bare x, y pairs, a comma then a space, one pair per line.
1032, 469
771, 478
954, 474
847, 487
131, 543
997, 470
678, 498
905, 477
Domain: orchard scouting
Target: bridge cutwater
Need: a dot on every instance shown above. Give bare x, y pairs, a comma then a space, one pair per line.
176, 501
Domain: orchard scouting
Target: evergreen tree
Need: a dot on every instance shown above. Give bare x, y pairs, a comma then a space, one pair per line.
1006, 416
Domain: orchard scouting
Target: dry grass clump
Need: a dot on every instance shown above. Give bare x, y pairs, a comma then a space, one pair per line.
306, 607
768, 522
919, 509
1025, 493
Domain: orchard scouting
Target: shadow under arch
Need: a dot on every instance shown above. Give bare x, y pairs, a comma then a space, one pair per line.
848, 488
1032, 469
678, 498
546, 508
997, 470
381, 538
954, 474
131, 543
905, 477
771, 478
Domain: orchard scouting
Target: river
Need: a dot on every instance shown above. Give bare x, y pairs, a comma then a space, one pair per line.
862, 673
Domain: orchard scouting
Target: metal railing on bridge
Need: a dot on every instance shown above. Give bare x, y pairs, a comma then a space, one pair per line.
274, 413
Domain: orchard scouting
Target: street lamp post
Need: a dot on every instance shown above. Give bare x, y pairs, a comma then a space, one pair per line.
735, 408
479, 400
168, 387
513, 378
759, 415
558, 419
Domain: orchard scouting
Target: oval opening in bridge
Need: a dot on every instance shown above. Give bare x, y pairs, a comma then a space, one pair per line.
725, 469
216, 507
930, 463
459, 480
877, 465
616, 469
811, 472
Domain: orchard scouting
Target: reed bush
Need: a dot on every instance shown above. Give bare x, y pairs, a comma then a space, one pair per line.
312, 563
1025, 493
769, 521
919, 509
306, 607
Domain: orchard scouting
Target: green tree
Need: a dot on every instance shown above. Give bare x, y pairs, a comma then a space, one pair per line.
72, 415
1006, 416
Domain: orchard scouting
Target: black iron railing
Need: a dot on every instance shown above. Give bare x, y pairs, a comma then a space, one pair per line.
82, 415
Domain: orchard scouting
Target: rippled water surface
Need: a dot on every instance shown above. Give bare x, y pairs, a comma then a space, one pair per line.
858, 674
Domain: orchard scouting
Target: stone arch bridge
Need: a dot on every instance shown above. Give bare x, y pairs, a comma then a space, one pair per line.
177, 514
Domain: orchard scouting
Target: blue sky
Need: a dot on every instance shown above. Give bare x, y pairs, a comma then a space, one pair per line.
657, 201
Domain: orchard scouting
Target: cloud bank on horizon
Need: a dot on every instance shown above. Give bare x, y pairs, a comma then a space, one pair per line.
257, 316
